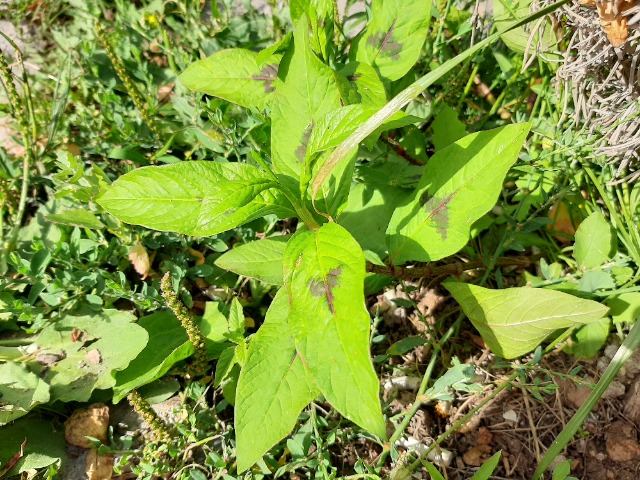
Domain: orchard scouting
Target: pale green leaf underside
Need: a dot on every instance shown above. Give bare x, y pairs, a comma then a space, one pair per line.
393, 39
515, 321
308, 92
324, 277
593, 241
20, 391
235, 75
273, 388
109, 341
459, 184
261, 259
194, 198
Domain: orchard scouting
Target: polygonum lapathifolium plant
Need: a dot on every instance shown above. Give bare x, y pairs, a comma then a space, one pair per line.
315, 337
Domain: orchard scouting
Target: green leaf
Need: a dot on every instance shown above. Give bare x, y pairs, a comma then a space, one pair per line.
273, 388
219, 329
321, 15
507, 12
195, 198
594, 241
45, 444
405, 345
78, 217
309, 91
515, 321
596, 280
236, 75
591, 338
367, 215
20, 391
625, 308
447, 128
324, 277
487, 468
459, 185
167, 345
393, 39
79, 354
225, 363
261, 259
362, 85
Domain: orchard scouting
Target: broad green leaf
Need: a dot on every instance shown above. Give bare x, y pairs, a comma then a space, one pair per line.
308, 91
591, 338
273, 388
220, 325
324, 277
76, 218
225, 363
194, 198
459, 185
20, 391
340, 154
596, 280
367, 215
405, 345
321, 18
79, 354
447, 128
45, 444
594, 241
167, 345
515, 321
625, 308
261, 259
235, 75
363, 85
393, 39
507, 13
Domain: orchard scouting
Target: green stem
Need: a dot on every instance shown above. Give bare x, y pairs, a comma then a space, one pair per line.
630, 344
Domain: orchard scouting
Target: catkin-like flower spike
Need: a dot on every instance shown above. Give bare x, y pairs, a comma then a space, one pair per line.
196, 338
122, 73
143, 408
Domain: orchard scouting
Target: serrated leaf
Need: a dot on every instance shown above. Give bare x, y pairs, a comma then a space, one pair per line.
324, 277
79, 354
20, 391
594, 241
459, 185
273, 388
194, 198
515, 321
393, 39
307, 92
261, 259
236, 75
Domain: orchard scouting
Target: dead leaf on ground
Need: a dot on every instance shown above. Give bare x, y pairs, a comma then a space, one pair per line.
92, 422
622, 443
99, 467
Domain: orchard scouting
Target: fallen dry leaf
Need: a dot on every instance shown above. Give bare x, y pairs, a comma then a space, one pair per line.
139, 258
90, 422
99, 467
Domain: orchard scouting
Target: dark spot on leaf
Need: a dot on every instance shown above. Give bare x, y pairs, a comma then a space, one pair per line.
267, 75
437, 210
319, 287
354, 77
386, 43
301, 151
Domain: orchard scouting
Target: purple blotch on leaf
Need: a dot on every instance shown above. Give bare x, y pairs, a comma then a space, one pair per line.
267, 75
437, 210
319, 287
385, 43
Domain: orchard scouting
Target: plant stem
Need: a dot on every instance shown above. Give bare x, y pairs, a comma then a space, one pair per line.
431, 271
